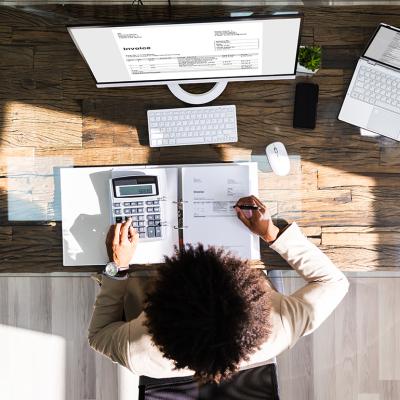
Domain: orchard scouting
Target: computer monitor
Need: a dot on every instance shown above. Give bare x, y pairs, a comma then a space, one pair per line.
173, 53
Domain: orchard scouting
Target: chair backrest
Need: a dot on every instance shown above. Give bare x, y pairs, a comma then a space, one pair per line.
258, 383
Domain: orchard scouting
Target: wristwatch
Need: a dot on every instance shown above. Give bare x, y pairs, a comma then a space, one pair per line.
112, 271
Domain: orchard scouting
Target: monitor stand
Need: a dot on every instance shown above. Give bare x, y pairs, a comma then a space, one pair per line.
202, 98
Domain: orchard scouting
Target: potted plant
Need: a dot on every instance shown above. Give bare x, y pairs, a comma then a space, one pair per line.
309, 60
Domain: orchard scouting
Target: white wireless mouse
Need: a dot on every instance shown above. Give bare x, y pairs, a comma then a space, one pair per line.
278, 158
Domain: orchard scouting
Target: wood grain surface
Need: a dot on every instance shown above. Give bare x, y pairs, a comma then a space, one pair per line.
343, 191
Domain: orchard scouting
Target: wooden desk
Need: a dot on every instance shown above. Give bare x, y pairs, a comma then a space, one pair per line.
348, 198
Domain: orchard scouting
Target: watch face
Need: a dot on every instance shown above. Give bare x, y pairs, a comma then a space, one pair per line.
111, 269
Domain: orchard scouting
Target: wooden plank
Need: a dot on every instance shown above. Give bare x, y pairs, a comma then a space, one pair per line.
35, 35
62, 56
334, 177
16, 57
337, 36
8, 154
368, 237
31, 85
39, 124
105, 156
5, 233
5, 34
312, 231
349, 258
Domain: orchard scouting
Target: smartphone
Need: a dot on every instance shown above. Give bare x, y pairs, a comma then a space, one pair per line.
305, 105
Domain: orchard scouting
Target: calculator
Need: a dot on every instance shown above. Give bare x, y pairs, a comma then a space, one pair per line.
137, 196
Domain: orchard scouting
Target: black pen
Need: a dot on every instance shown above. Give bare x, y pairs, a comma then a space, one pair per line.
246, 207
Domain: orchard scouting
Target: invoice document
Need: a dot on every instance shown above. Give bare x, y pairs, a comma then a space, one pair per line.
208, 215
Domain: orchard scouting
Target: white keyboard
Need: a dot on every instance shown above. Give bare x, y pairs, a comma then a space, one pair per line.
193, 125
377, 88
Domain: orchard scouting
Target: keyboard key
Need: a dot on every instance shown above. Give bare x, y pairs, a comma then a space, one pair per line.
156, 209
141, 217
139, 210
118, 220
127, 203
135, 224
151, 223
148, 202
127, 210
140, 203
133, 203
150, 231
141, 229
117, 204
140, 223
149, 209
158, 231
156, 216
117, 211
156, 202
150, 217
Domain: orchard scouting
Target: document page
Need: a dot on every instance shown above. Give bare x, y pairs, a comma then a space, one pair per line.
191, 51
385, 47
209, 194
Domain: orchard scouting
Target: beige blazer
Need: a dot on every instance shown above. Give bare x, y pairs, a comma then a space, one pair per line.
294, 316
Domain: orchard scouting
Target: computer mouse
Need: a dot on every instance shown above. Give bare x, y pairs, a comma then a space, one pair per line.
278, 158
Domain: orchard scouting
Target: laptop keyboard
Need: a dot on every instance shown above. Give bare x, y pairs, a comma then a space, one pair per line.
377, 88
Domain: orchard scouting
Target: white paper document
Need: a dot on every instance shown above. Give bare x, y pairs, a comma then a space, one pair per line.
209, 218
86, 215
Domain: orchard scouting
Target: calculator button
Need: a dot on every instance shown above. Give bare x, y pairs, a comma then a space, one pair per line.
157, 216
156, 209
149, 202
142, 235
127, 203
141, 229
117, 211
150, 232
150, 217
127, 210
118, 220
156, 202
149, 209
141, 223
135, 217
140, 203
117, 204
140, 210
141, 217
151, 223
158, 231
135, 224
133, 203
134, 210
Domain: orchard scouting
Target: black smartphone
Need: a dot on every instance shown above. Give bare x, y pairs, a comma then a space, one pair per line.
305, 105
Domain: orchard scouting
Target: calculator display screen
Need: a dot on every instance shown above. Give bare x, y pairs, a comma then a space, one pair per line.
135, 190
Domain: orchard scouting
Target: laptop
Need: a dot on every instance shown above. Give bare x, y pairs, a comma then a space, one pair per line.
372, 100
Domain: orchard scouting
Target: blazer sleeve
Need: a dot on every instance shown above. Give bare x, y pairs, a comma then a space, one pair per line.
303, 311
108, 333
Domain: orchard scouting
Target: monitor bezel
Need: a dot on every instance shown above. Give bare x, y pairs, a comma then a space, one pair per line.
297, 15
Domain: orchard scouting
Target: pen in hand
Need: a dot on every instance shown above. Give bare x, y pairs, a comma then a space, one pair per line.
246, 207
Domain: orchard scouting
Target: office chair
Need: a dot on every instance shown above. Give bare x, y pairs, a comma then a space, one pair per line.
259, 383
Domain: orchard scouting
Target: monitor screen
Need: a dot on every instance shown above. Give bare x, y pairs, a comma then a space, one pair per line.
385, 47
165, 52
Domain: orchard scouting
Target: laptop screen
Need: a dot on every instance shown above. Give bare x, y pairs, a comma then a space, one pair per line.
385, 47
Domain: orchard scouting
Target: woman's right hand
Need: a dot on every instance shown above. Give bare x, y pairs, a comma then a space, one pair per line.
258, 221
